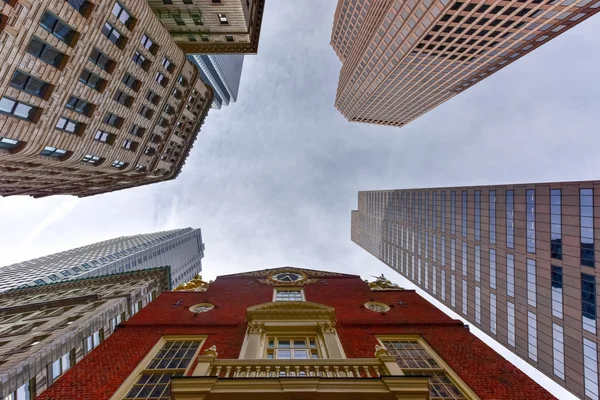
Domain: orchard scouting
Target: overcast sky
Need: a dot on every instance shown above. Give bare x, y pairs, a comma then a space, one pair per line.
272, 178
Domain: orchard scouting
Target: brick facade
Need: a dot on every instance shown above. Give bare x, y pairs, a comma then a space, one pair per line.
488, 374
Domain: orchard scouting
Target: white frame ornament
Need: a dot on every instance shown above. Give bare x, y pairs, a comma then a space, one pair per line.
377, 306
201, 308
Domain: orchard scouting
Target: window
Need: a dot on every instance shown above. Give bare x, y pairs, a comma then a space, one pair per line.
478, 305
178, 20
61, 365
588, 302
123, 98
229, 38
510, 274
453, 212
443, 211
88, 158
555, 224
172, 360
58, 28
129, 145
152, 97
160, 78
586, 212
453, 254
443, 280
17, 109
558, 350
141, 61
50, 151
464, 258
82, 6
223, 19
8, 144
139, 168
532, 335
30, 84
590, 368
137, 130
492, 205
443, 245
80, 106
478, 215
146, 112
478, 263
182, 81
104, 137
531, 288
102, 60
464, 297
530, 221
69, 125
510, 219
510, 314
434, 206
113, 120
123, 15
453, 291
492, 269
167, 64
176, 93
197, 18
113, 35
415, 358
131, 82
288, 295
118, 164
92, 80
169, 110
92, 341
148, 44
493, 313
557, 291
23, 392
464, 213
296, 348
434, 247
48, 54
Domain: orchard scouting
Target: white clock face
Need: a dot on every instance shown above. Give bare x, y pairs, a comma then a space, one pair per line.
288, 277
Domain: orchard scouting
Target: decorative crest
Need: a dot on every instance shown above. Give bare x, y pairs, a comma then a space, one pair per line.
381, 351
211, 351
382, 283
195, 285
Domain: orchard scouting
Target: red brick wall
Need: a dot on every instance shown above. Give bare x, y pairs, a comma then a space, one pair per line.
100, 374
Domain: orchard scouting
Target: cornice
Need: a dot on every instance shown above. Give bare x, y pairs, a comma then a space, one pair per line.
290, 310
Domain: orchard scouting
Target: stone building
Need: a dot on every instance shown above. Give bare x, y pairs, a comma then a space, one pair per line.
95, 96
516, 261
403, 58
46, 330
291, 333
212, 26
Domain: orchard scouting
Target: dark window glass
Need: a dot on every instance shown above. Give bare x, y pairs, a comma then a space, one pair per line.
443, 211
45, 52
58, 28
453, 212
78, 105
92, 80
557, 277
510, 219
586, 216
8, 144
478, 215
492, 210
30, 84
101, 60
555, 224
588, 296
82, 6
530, 204
112, 33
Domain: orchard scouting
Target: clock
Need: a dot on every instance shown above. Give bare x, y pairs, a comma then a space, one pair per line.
288, 277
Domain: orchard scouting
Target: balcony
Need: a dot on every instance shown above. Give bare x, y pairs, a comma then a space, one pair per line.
328, 379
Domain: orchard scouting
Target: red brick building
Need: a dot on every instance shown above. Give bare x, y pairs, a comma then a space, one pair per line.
288, 332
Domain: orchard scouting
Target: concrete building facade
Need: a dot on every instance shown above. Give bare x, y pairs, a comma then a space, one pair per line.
181, 249
292, 333
212, 26
404, 58
223, 72
46, 330
95, 96
517, 261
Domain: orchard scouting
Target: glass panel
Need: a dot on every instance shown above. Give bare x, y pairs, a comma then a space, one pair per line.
285, 354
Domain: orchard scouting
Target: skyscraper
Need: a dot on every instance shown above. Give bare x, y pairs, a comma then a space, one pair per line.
181, 249
92, 102
404, 58
46, 330
291, 333
223, 72
516, 261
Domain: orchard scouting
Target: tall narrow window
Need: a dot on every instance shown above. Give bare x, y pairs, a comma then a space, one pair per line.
556, 224
492, 269
453, 291
434, 247
531, 280
434, 206
123, 15
510, 322
443, 245
478, 305
413, 208
464, 297
530, 203
426, 210
558, 350
62, 365
464, 213
420, 208
588, 302
478, 215
590, 368
453, 212
443, 281
443, 211
510, 275
453, 254
510, 219
477, 263
492, 195
586, 210
113, 35
493, 313
557, 291
464, 258
433, 279
532, 335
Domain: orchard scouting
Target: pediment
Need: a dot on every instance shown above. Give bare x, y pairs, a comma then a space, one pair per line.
290, 310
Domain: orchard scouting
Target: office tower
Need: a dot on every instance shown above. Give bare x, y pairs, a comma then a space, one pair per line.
291, 333
403, 58
95, 97
516, 261
46, 330
222, 72
212, 26
181, 249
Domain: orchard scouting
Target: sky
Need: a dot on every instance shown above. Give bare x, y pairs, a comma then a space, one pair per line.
272, 178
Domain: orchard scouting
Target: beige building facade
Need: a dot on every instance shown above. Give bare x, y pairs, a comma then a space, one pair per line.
212, 26
404, 58
46, 330
95, 96
516, 261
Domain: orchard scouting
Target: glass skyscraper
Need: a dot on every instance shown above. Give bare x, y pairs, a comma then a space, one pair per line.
181, 249
223, 73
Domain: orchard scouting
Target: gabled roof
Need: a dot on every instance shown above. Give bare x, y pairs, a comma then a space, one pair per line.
309, 272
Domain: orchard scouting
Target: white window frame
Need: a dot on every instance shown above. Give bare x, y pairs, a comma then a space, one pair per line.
287, 289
